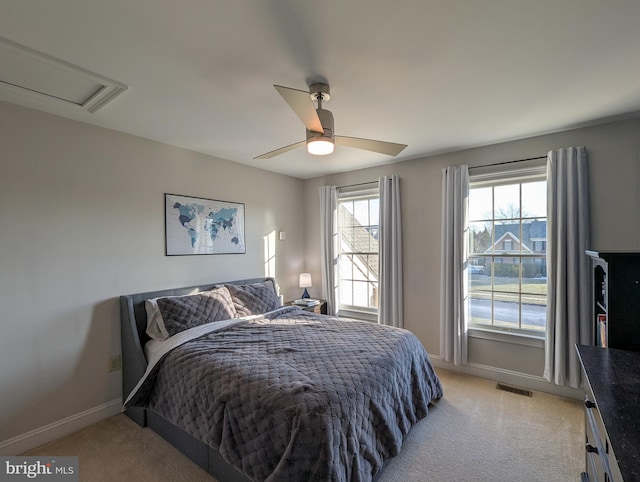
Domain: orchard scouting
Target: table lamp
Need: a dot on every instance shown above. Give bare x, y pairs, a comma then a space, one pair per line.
305, 282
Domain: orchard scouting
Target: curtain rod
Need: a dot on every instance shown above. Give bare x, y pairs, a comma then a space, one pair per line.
474, 167
509, 162
358, 184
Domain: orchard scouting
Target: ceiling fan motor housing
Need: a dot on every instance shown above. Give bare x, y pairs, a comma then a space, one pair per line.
326, 119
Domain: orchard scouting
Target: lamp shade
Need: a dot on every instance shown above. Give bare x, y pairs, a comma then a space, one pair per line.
305, 280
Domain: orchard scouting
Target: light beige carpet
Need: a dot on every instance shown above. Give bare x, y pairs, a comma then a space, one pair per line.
478, 433
475, 433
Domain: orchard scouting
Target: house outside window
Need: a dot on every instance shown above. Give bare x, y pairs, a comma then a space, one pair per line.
358, 257
507, 275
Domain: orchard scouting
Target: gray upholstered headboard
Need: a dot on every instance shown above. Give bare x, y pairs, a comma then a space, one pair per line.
133, 326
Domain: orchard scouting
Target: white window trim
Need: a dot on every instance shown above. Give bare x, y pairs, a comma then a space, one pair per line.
507, 177
349, 193
519, 337
358, 315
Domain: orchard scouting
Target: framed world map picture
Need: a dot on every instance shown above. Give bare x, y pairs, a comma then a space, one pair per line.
203, 226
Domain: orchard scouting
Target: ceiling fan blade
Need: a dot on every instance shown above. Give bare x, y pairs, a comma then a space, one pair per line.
382, 147
282, 150
301, 103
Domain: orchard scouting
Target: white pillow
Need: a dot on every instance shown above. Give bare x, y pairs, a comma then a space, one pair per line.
155, 323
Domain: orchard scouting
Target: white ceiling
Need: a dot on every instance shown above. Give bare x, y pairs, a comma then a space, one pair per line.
438, 75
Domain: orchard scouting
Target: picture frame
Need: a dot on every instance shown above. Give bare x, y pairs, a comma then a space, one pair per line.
198, 226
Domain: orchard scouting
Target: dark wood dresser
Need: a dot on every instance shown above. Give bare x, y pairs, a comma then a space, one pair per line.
612, 414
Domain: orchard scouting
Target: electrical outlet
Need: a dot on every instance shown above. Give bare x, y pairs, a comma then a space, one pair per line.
115, 363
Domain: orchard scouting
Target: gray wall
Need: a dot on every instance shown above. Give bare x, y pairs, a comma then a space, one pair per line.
82, 222
614, 166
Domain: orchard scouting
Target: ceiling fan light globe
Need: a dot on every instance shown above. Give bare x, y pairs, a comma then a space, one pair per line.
319, 147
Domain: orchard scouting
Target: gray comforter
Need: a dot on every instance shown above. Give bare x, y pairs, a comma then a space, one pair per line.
295, 396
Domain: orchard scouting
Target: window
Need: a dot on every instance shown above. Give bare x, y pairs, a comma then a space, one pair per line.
358, 216
507, 272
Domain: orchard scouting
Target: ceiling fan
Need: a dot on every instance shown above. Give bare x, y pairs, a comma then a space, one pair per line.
320, 137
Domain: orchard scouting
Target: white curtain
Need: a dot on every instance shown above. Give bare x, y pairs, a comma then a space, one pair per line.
390, 306
328, 246
453, 299
568, 267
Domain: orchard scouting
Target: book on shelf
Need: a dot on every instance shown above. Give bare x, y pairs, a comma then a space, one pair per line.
306, 302
602, 330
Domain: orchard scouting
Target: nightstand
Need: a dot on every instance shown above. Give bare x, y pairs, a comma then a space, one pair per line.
320, 308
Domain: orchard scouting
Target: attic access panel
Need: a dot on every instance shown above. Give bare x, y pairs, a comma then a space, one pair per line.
28, 72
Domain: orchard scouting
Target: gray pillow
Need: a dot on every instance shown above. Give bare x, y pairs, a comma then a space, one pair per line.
254, 298
180, 313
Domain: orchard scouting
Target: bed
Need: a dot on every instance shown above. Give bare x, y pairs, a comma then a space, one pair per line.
267, 392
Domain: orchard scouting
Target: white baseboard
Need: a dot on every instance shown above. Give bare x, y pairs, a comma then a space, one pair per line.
55, 430
523, 380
